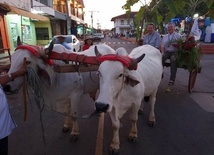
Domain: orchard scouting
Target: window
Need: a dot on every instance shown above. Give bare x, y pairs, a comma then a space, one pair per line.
26, 32
42, 34
122, 22
14, 33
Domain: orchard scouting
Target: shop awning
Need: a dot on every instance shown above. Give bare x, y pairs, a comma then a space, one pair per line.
26, 13
4, 8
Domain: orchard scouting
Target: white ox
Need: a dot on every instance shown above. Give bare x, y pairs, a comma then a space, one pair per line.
61, 91
122, 88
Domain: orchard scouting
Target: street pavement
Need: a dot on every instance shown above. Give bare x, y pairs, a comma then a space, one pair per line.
185, 123
203, 91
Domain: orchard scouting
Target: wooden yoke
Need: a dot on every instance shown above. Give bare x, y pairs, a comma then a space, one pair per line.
86, 63
74, 57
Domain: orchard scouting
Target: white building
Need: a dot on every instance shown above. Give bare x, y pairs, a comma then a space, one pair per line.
124, 24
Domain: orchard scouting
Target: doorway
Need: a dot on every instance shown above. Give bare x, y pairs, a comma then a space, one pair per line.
3, 33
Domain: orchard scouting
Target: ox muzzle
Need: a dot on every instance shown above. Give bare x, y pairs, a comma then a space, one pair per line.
7, 89
101, 107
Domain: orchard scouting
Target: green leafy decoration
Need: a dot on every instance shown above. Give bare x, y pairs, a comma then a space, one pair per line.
188, 54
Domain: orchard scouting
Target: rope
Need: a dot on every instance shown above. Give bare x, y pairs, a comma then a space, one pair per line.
24, 94
35, 84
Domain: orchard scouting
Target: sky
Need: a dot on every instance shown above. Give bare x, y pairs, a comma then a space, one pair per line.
104, 10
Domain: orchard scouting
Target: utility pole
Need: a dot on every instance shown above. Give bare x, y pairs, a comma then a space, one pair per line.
92, 19
68, 19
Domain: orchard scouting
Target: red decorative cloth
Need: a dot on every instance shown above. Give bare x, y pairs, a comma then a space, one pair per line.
85, 47
34, 50
125, 60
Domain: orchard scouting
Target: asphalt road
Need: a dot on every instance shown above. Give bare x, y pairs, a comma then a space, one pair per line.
184, 122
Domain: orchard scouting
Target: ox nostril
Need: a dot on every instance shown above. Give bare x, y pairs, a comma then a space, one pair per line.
7, 88
101, 107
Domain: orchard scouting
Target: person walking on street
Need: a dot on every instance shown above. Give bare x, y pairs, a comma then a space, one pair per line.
6, 122
152, 37
169, 50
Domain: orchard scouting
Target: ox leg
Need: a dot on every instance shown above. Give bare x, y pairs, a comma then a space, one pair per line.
75, 100
133, 132
115, 144
152, 101
67, 124
75, 130
141, 108
67, 121
134, 117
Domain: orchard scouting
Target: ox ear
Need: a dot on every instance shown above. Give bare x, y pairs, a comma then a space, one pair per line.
44, 73
50, 47
131, 79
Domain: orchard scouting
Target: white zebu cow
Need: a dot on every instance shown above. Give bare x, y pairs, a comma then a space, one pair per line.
122, 88
61, 91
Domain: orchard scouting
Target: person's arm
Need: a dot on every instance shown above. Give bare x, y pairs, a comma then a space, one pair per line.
5, 78
158, 41
145, 38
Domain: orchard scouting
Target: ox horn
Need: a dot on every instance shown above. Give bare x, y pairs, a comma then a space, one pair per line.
19, 41
50, 47
97, 53
137, 60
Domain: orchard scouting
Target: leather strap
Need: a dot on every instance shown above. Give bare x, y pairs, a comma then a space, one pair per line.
74, 57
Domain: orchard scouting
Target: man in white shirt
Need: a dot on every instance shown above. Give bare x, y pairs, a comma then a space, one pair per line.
6, 122
169, 50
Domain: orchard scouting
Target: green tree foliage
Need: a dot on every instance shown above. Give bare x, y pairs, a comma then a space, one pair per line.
160, 11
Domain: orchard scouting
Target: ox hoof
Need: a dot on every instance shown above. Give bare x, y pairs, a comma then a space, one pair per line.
113, 151
65, 129
151, 123
132, 139
74, 137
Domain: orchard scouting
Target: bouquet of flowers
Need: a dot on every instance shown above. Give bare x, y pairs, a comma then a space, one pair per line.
188, 53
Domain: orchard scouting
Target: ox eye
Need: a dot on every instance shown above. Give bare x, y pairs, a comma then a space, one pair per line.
120, 75
28, 62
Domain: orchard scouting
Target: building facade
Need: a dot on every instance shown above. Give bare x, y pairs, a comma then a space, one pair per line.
124, 24
37, 21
